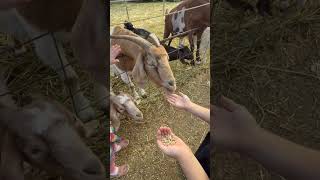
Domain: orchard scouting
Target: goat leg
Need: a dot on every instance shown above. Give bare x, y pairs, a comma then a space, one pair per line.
198, 42
191, 42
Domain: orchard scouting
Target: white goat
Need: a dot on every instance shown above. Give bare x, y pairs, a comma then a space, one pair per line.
123, 104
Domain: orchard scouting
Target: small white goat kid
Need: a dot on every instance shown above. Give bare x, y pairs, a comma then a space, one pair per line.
123, 104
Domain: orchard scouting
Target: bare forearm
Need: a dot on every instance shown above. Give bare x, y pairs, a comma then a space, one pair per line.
284, 157
199, 111
191, 167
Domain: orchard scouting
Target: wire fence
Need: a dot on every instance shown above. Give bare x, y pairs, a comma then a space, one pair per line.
181, 34
63, 66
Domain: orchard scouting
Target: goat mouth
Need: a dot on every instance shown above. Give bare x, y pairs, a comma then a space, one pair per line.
139, 120
169, 90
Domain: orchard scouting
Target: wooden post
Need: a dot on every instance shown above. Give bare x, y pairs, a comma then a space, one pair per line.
163, 6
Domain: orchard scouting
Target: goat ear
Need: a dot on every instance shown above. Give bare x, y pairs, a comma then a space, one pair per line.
89, 39
138, 72
11, 165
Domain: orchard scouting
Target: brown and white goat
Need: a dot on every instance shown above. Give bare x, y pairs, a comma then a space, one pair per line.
180, 20
47, 136
123, 104
142, 59
80, 21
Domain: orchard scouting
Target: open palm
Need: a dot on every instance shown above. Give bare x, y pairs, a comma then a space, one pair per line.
181, 101
173, 150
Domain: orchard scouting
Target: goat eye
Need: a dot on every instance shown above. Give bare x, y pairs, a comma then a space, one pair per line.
120, 109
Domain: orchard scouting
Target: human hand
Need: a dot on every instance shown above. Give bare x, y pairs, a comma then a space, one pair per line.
115, 51
182, 102
232, 125
176, 149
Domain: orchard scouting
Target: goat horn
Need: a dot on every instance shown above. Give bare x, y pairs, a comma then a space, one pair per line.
138, 40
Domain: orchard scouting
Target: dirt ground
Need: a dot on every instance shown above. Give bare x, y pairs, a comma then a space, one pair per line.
146, 161
271, 66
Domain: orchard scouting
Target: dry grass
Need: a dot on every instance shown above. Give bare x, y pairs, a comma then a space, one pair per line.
146, 161
271, 65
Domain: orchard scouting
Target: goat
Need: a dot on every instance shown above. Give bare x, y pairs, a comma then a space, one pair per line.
123, 104
68, 21
141, 32
180, 19
142, 59
47, 136
182, 53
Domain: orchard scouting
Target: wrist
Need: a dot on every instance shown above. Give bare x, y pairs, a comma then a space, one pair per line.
189, 106
185, 153
253, 140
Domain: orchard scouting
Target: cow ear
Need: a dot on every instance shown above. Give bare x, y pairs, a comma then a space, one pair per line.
89, 40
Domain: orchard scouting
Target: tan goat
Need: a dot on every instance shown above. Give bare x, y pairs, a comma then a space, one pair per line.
142, 59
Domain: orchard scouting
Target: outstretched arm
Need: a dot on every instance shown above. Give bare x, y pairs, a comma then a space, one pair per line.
183, 102
236, 129
199, 111
182, 153
287, 158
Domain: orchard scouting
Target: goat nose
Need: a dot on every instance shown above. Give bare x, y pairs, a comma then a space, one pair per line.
93, 168
171, 83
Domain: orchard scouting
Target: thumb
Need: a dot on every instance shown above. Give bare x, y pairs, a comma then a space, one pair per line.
183, 95
228, 104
